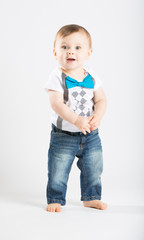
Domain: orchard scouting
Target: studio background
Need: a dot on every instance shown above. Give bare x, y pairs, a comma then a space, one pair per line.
27, 30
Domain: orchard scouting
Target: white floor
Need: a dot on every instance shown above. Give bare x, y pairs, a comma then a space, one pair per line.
23, 218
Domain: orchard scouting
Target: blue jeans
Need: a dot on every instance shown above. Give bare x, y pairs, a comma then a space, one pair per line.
64, 147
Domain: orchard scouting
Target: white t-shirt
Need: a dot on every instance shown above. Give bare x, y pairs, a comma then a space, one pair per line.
78, 99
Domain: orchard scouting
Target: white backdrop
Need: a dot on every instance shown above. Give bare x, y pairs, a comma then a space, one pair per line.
27, 30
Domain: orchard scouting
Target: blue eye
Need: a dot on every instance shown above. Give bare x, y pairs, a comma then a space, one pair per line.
78, 47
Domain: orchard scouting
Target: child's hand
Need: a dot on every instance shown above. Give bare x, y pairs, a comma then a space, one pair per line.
94, 122
83, 124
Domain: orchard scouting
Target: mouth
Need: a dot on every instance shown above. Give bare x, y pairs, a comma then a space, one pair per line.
71, 59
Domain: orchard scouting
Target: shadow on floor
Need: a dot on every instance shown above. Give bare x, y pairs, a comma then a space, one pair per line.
36, 201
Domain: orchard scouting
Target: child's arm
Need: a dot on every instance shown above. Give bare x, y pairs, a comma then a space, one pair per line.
58, 105
100, 104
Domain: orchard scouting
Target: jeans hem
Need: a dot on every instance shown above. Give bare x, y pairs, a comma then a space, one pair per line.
56, 201
90, 198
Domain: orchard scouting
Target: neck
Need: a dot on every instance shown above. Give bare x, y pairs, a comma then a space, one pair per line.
77, 74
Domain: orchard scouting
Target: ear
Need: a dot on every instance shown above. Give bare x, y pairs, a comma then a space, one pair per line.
55, 54
89, 52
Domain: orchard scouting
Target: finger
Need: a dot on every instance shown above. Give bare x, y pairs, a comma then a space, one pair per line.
93, 127
88, 130
93, 121
90, 118
83, 131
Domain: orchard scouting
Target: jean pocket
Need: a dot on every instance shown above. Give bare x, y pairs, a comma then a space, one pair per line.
94, 131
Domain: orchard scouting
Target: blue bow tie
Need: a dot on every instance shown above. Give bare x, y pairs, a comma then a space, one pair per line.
87, 82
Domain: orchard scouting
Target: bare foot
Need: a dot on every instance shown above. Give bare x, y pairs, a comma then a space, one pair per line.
53, 207
95, 204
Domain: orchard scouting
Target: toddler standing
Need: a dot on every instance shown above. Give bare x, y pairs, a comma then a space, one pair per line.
78, 104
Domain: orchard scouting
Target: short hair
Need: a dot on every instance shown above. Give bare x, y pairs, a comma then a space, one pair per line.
72, 28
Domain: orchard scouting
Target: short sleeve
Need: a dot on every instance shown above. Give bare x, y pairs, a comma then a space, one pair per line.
98, 82
54, 81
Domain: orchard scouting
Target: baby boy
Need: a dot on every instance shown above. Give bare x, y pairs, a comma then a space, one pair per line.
78, 104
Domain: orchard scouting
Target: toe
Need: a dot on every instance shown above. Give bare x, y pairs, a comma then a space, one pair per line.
47, 209
105, 206
58, 209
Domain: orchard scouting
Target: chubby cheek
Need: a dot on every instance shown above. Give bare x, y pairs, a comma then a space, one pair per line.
60, 58
81, 58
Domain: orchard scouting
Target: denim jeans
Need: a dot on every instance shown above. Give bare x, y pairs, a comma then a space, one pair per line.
64, 147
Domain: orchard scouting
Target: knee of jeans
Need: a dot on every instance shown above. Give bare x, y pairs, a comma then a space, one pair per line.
58, 175
95, 165
94, 175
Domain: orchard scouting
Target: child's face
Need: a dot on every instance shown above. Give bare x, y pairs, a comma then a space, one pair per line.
72, 51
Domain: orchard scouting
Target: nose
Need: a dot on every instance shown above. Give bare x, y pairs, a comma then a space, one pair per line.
70, 52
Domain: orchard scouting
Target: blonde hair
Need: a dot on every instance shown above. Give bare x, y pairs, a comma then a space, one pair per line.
69, 29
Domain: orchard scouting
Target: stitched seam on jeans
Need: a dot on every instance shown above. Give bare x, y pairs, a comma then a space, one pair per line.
56, 200
51, 140
83, 171
91, 197
85, 142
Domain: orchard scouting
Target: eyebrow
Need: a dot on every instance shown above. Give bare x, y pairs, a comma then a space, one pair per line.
67, 43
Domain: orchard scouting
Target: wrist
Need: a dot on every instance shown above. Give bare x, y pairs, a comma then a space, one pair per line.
75, 119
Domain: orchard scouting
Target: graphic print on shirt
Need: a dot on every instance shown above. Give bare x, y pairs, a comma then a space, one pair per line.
81, 101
